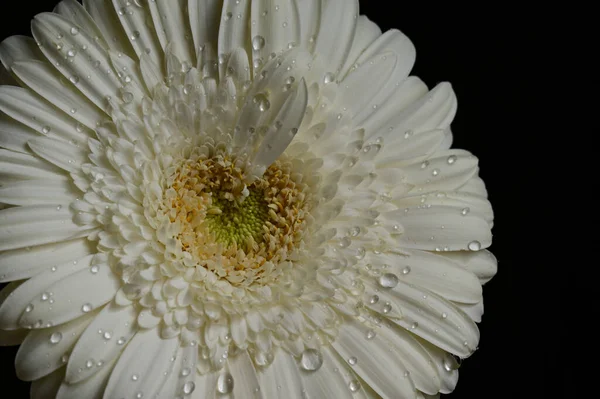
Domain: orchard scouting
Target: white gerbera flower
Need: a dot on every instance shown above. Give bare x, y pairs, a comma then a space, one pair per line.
246, 198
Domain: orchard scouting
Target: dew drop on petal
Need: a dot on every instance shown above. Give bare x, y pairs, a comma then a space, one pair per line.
387, 308
86, 308
388, 280
29, 308
328, 78
374, 299
474, 245
56, 337
258, 42
74, 30
354, 386
311, 360
465, 211
370, 334
406, 270
74, 79
46, 129
225, 383
189, 387
452, 159
262, 102
121, 341
352, 361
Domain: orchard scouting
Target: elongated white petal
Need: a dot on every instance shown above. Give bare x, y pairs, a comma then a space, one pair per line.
91, 72
172, 27
105, 17
233, 29
51, 344
73, 296
277, 28
205, 18
245, 376
46, 387
29, 109
336, 32
14, 135
117, 326
42, 78
142, 37
37, 225
16, 304
76, 13
482, 263
24, 263
142, 365
366, 33
283, 368
66, 156
19, 48
90, 388
374, 359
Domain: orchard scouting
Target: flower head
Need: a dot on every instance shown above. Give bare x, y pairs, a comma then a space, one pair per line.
236, 197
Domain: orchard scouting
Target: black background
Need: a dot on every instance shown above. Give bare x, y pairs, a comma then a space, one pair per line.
498, 61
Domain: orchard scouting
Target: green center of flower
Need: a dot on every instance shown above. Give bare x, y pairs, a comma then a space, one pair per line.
237, 222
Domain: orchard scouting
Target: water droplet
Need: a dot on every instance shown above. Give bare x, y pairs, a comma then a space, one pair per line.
450, 364
64, 359
425, 164
414, 325
258, 42
444, 315
225, 383
311, 360
127, 97
374, 299
134, 377
352, 361
46, 129
345, 242
94, 269
406, 270
387, 308
263, 359
139, 395
89, 364
121, 341
465, 211
74, 79
354, 386
227, 16
74, 30
328, 78
474, 246
388, 280
29, 308
452, 159
56, 337
189, 387
86, 308
262, 102
107, 335
72, 52
370, 334
435, 172
185, 371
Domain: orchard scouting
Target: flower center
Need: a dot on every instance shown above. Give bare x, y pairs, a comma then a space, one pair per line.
211, 219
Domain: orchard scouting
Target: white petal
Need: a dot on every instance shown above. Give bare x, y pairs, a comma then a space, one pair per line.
14, 135
146, 357
375, 359
309, 15
366, 33
333, 379
47, 386
280, 135
283, 368
115, 322
19, 48
206, 387
14, 305
74, 295
244, 376
434, 273
92, 387
172, 27
81, 19
17, 166
142, 35
106, 20
431, 317
95, 81
36, 225
45, 80
446, 364
49, 344
474, 311
482, 263
336, 32
38, 192
29, 109
277, 26
185, 374
28, 262
66, 156
233, 30
417, 361
205, 18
